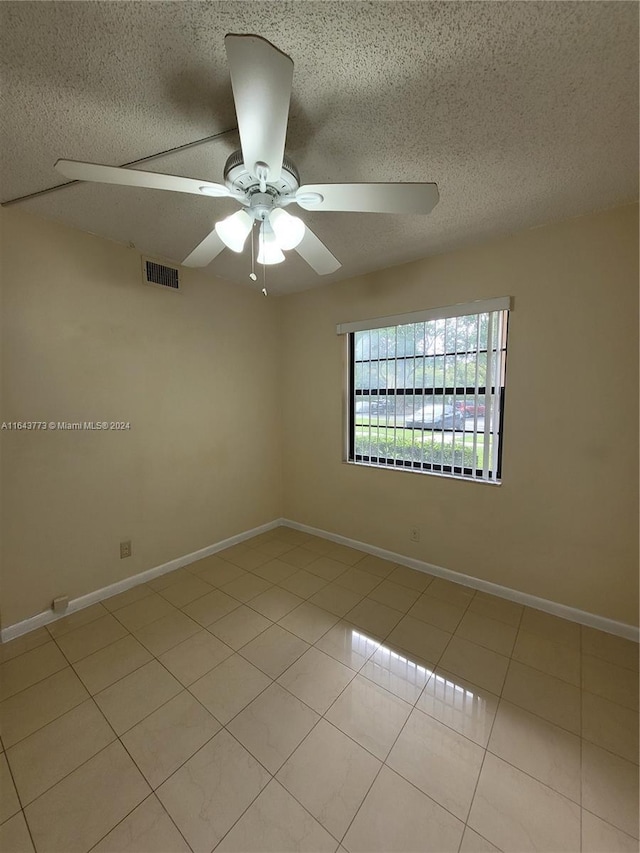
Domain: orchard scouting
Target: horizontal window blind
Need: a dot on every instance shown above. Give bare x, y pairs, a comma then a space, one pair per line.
427, 394
502, 303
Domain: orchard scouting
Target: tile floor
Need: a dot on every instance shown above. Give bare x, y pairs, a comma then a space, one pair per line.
294, 694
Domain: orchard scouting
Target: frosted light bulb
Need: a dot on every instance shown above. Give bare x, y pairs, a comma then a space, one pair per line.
234, 230
289, 230
268, 250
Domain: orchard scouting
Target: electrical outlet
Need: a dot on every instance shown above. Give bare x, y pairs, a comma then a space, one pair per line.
414, 534
125, 549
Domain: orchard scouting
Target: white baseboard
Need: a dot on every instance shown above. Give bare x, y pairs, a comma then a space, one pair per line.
48, 616
629, 632
621, 629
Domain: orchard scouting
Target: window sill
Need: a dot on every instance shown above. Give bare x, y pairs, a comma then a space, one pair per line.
407, 470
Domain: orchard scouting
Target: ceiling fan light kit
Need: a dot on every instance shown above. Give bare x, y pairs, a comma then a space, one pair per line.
234, 230
261, 177
289, 230
269, 252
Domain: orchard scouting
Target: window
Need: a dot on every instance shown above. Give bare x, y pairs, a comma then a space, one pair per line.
426, 390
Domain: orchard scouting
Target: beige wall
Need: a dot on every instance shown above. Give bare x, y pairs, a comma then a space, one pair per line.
564, 523
195, 373
205, 376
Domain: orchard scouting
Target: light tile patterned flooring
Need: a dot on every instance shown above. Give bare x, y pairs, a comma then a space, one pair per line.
294, 694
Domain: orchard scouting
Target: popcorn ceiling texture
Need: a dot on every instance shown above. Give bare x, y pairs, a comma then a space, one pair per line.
523, 113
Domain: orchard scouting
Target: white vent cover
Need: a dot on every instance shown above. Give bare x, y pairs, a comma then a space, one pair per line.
159, 274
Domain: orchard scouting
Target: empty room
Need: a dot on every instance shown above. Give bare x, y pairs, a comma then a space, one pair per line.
319, 427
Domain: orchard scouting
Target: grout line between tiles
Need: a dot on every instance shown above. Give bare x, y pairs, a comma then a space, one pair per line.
581, 741
612, 825
69, 666
98, 605
90, 695
38, 680
26, 823
162, 805
384, 761
580, 736
545, 672
322, 716
66, 775
272, 775
149, 796
207, 628
107, 721
107, 686
531, 776
486, 749
152, 789
15, 787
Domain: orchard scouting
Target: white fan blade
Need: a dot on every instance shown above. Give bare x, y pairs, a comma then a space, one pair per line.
369, 198
315, 253
261, 78
205, 252
135, 178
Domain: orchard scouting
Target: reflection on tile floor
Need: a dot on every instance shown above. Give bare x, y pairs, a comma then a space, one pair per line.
292, 694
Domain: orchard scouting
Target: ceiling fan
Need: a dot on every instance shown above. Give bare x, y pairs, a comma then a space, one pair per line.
260, 176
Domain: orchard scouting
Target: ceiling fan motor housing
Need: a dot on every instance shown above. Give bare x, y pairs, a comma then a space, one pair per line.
261, 204
240, 180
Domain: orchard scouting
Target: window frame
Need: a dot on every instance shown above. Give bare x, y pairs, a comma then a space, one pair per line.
459, 472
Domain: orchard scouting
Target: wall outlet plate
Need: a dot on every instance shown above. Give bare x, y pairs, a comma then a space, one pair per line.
125, 549
414, 534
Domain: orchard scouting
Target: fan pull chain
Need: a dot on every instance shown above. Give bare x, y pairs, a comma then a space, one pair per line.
252, 274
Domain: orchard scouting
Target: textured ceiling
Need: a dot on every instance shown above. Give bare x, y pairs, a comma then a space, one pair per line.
522, 113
